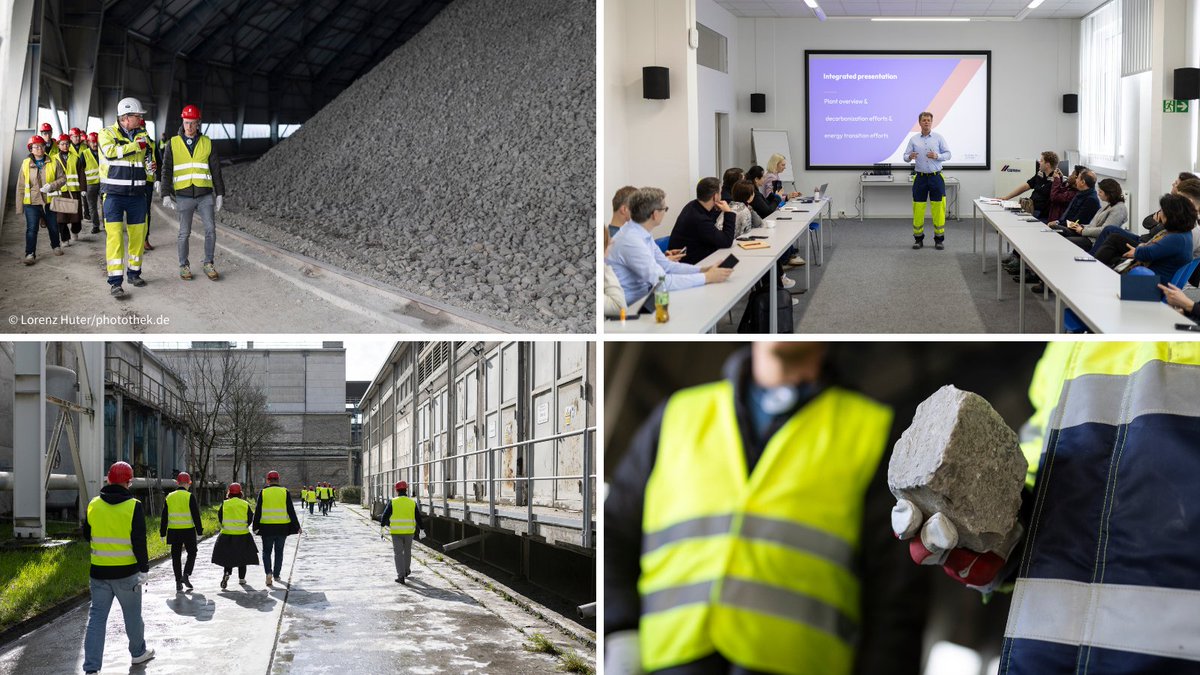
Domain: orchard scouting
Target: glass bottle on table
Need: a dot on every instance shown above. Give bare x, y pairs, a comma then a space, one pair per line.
661, 300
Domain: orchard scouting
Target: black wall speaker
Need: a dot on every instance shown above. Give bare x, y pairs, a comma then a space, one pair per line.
758, 103
656, 82
1187, 83
1070, 103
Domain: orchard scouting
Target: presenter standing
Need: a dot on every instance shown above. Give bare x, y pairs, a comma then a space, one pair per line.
929, 150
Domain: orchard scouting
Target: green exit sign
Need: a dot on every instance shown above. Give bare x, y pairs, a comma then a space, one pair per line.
1175, 106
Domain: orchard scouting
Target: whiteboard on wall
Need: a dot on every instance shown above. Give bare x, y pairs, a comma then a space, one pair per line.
767, 142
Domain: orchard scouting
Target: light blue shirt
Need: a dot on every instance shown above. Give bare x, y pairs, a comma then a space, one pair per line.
638, 263
923, 144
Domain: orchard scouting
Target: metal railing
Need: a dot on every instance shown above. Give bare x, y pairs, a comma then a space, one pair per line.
135, 381
588, 477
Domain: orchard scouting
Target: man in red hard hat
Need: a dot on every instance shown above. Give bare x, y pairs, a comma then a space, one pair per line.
180, 525
191, 182
274, 519
90, 151
402, 517
115, 525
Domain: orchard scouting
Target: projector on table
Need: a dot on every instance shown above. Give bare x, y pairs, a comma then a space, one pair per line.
882, 173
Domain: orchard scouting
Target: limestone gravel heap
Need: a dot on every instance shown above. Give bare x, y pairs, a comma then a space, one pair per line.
475, 181
960, 458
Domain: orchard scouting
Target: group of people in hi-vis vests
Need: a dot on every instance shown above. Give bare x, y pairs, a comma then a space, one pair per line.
115, 526
321, 495
747, 528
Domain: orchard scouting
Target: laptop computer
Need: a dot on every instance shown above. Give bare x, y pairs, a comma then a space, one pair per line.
821, 190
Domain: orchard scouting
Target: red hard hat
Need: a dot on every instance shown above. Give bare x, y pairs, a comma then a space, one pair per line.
235, 488
64, 138
402, 485
34, 139
272, 475
120, 473
46, 126
190, 112
93, 136
76, 131
183, 478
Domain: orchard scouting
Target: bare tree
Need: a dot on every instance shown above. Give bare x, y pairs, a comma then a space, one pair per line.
210, 379
251, 426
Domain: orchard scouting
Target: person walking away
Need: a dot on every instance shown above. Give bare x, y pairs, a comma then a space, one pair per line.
402, 517
115, 526
38, 178
191, 182
274, 519
153, 153
180, 525
123, 160
235, 547
91, 162
75, 171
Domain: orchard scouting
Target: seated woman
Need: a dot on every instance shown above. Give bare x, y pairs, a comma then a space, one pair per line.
743, 196
1114, 214
772, 185
763, 206
1172, 248
728, 179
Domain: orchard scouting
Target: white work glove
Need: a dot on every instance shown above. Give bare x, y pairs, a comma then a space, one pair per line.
45, 189
169, 202
622, 653
158, 188
938, 545
142, 578
218, 205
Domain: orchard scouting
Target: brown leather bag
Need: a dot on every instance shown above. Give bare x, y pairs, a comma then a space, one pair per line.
64, 205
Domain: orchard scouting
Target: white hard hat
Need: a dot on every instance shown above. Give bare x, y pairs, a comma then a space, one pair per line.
130, 106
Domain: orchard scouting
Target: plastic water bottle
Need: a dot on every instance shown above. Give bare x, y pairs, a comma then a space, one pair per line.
816, 195
661, 300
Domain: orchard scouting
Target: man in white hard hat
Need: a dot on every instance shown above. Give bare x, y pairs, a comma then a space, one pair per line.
123, 160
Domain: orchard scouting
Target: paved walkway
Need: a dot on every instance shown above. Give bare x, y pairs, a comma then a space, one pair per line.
341, 611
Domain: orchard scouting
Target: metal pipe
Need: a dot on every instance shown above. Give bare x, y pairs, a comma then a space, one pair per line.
68, 481
586, 611
461, 543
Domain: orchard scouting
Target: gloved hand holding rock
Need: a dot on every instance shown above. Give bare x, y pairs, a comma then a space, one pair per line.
957, 473
169, 202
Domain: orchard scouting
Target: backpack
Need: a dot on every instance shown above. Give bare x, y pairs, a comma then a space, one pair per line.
756, 318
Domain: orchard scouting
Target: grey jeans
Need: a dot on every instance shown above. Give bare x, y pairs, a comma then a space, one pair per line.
402, 551
187, 208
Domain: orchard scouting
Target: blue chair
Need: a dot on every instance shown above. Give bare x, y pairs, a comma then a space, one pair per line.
1184, 273
1072, 323
662, 243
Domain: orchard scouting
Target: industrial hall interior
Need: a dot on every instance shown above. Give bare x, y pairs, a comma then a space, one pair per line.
379, 166
265, 506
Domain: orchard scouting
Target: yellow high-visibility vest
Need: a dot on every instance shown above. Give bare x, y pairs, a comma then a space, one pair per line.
179, 512
112, 532
91, 166
122, 162
404, 516
758, 567
235, 516
274, 506
191, 168
51, 176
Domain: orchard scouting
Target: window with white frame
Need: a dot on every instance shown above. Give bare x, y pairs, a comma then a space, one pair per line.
1100, 84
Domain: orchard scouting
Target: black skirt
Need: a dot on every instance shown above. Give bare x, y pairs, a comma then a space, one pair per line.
232, 550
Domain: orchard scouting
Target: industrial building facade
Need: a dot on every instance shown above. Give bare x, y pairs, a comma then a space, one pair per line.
497, 443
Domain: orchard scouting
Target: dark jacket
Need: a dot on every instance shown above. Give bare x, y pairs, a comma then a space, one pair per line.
168, 171
763, 206
275, 529
893, 588
115, 494
1040, 183
1082, 208
697, 229
1061, 194
386, 518
178, 536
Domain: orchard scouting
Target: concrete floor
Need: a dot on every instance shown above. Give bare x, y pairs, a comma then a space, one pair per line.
263, 289
341, 611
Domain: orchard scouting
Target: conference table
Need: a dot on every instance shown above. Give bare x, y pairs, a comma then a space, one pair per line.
698, 310
1089, 288
952, 187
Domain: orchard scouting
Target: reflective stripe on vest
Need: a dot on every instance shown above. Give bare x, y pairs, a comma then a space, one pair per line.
191, 168
112, 531
1108, 574
71, 169
122, 163
274, 506
51, 175
91, 166
179, 511
404, 516
235, 516
759, 569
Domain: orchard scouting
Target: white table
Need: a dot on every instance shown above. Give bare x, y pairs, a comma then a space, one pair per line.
1090, 289
952, 185
697, 310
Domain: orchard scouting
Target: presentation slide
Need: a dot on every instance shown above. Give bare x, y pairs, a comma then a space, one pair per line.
861, 107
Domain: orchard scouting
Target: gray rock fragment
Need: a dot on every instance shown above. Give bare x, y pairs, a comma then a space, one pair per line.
958, 457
